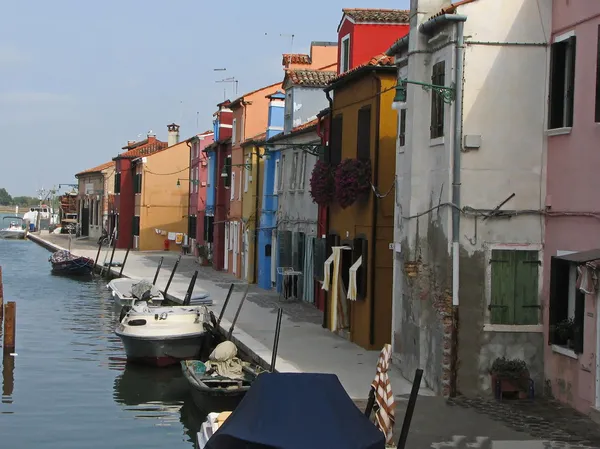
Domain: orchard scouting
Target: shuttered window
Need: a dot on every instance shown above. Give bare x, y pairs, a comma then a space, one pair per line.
402, 133
515, 294
118, 182
363, 137
335, 140
208, 228
192, 220
562, 83
319, 252
284, 240
361, 249
438, 78
597, 118
227, 169
137, 183
135, 226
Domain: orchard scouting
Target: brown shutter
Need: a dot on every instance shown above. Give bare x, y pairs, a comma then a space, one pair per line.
363, 137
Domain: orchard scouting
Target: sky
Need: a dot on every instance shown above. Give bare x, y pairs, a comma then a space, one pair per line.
78, 79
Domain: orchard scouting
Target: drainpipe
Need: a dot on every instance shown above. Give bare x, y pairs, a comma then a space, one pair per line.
187, 142
257, 214
371, 260
428, 28
327, 157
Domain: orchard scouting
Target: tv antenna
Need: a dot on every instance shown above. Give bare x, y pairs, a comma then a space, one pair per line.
229, 80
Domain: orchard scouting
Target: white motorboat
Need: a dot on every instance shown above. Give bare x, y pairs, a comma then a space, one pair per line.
123, 291
209, 426
162, 336
14, 230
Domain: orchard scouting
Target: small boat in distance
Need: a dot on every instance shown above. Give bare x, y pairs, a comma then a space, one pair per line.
14, 230
66, 263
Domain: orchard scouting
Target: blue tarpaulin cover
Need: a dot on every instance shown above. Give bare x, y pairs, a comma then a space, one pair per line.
297, 411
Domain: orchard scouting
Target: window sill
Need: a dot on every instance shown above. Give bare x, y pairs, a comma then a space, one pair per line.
436, 142
537, 328
558, 131
564, 351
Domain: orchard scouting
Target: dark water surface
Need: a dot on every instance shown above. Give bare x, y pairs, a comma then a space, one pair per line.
69, 386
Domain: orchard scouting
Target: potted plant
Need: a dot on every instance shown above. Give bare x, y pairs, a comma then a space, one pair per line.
203, 255
352, 181
510, 376
565, 331
322, 183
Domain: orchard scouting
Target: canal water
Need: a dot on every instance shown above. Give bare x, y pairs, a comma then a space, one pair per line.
68, 385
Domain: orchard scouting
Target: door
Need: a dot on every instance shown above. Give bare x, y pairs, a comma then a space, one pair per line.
274, 258
85, 222
597, 349
246, 257
226, 258
235, 247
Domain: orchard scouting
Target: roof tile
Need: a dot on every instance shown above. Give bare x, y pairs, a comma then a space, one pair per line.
97, 169
295, 58
381, 60
310, 78
378, 15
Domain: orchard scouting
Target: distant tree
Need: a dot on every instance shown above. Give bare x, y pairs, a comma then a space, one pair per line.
24, 201
5, 198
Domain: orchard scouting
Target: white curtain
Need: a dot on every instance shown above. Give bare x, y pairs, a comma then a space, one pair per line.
309, 291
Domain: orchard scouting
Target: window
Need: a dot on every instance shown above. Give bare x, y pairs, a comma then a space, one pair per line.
335, 142
597, 119
227, 171
208, 228
118, 182
363, 134
137, 183
280, 179
514, 290
233, 131
302, 172
319, 256
135, 226
232, 186
241, 182
293, 173
276, 177
247, 169
197, 177
192, 220
562, 83
438, 78
401, 135
345, 54
566, 306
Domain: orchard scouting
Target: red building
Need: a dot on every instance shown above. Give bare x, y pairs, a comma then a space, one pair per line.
217, 196
124, 191
198, 175
364, 33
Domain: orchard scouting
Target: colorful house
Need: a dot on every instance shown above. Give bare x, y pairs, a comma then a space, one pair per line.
217, 193
468, 235
95, 186
267, 237
198, 178
362, 161
321, 54
250, 115
126, 184
571, 312
254, 152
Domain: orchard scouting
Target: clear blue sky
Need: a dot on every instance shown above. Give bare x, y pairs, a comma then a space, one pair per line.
79, 78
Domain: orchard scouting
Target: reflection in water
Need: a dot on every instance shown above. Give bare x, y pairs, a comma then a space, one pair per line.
8, 377
71, 386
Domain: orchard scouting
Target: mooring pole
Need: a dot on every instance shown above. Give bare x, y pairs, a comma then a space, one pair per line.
10, 312
112, 256
171, 277
8, 374
237, 313
224, 307
276, 340
97, 254
410, 408
1, 298
188, 295
123, 264
157, 270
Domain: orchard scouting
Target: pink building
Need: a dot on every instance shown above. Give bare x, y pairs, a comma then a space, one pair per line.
572, 238
197, 230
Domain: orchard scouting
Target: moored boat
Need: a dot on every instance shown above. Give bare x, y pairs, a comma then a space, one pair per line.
162, 336
124, 291
66, 263
14, 230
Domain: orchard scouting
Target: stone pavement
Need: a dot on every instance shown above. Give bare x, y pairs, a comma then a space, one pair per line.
306, 346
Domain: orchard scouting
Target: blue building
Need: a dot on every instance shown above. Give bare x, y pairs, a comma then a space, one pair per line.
268, 256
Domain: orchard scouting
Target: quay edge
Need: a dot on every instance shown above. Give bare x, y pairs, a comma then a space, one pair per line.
255, 350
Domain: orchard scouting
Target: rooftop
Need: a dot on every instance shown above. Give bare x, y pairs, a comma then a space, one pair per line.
97, 169
381, 60
310, 78
363, 15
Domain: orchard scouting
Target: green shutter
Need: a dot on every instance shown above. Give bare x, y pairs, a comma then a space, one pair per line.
527, 303
503, 287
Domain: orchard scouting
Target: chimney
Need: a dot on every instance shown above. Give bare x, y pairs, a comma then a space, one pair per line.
173, 134
276, 113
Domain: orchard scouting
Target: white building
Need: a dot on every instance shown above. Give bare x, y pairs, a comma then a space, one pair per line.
480, 152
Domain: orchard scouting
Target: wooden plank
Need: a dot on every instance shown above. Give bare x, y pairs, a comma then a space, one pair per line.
526, 304
501, 303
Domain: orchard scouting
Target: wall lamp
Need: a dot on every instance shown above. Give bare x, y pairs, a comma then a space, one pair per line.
447, 93
225, 171
193, 181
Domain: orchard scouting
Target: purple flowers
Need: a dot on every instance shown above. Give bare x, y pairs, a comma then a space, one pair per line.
322, 183
352, 181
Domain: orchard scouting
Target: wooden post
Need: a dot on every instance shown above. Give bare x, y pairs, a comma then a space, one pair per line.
97, 256
112, 256
10, 312
157, 271
123, 264
171, 277
1, 298
8, 376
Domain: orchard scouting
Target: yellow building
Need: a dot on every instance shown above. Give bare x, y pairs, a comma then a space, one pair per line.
162, 192
361, 226
253, 176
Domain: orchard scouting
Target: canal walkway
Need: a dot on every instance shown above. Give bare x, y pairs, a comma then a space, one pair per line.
305, 346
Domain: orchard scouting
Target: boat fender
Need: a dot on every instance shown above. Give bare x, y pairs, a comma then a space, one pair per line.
124, 311
138, 322
163, 316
